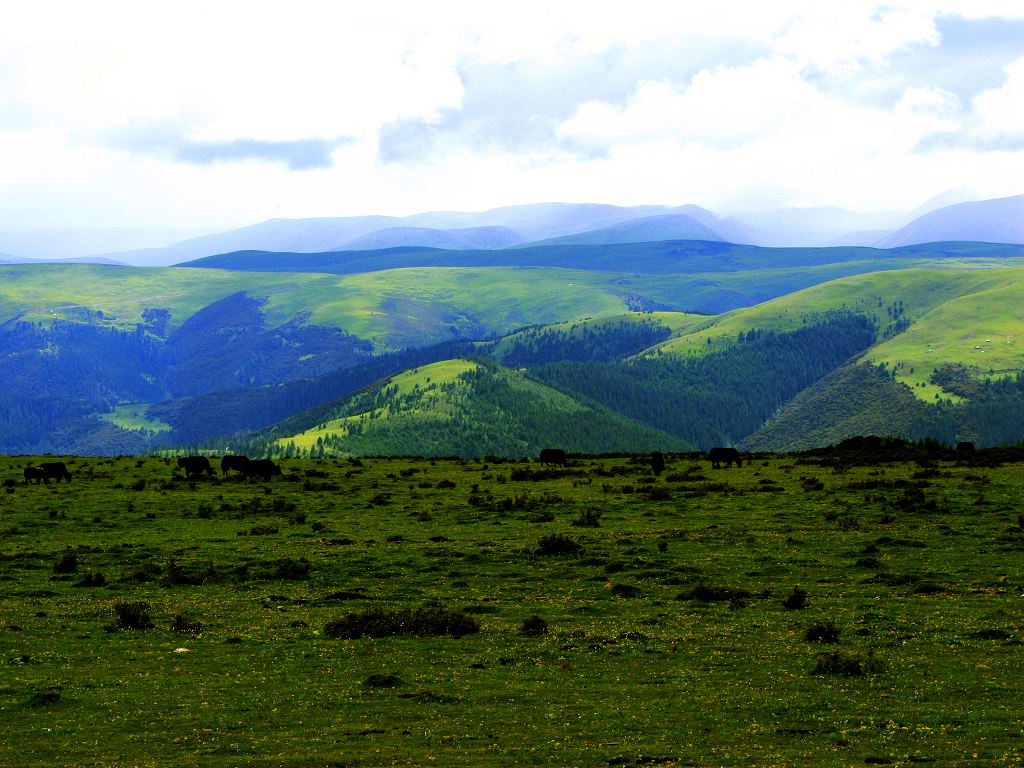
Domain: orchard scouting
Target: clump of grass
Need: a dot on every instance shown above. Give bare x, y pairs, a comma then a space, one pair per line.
796, 600
534, 626
847, 665
133, 616
68, 563
44, 698
712, 594
823, 632
92, 580
557, 544
185, 624
589, 518
421, 622
189, 575
382, 681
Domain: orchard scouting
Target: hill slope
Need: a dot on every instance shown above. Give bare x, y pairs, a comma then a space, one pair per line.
465, 408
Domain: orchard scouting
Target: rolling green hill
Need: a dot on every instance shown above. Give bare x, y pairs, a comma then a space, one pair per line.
459, 407
658, 257
94, 356
925, 319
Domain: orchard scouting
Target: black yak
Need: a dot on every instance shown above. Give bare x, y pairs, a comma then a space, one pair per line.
727, 456
237, 463
552, 456
264, 468
195, 465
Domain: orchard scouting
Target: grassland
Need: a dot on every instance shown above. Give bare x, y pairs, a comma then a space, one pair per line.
947, 316
913, 567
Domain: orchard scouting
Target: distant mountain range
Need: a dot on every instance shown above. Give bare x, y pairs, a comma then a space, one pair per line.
994, 221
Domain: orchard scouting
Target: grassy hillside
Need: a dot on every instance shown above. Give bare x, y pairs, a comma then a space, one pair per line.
464, 408
802, 610
925, 318
660, 257
852, 400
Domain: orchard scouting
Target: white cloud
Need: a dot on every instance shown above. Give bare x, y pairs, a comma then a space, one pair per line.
259, 80
1001, 110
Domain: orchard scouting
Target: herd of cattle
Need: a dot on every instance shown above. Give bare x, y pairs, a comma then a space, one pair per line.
266, 468
190, 465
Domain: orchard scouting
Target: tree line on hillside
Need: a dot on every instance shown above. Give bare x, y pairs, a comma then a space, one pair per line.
723, 395
485, 413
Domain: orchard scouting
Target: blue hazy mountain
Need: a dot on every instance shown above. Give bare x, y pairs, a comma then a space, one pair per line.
988, 221
456, 239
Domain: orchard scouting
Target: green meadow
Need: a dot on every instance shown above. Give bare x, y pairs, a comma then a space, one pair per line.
836, 609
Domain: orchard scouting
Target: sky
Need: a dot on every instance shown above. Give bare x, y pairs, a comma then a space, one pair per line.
222, 114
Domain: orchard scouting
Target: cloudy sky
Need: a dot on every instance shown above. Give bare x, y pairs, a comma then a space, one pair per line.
223, 114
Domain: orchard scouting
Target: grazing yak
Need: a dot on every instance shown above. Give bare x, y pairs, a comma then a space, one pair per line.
264, 468
236, 463
552, 456
195, 465
725, 456
657, 462
55, 469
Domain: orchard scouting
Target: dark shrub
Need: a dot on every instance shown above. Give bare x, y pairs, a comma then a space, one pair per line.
823, 632
92, 580
133, 616
589, 518
847, 664
185, 624
797, 600
262, 530
189, 575
44, 698
422, 622
991, 634
68, 563
556, 544
382, 681
292, 569
445, 484
534, 627
713, 594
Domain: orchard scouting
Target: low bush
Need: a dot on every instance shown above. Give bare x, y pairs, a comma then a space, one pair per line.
796, 600
557, 544
185, 624
534, 626
589, 518
133, 616
68, 563
847, 665
713, 594
823, 632
422, 622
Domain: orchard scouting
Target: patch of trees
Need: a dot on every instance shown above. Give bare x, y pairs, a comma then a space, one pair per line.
581, 343
493, 416
722, 396
299, 404
50, 377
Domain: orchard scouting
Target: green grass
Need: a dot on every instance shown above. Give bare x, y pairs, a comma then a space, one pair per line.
133, 416
427, 378
951, 313
421, 305
917, 564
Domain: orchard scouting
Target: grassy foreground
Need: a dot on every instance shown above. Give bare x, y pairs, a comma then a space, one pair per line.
675, 635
